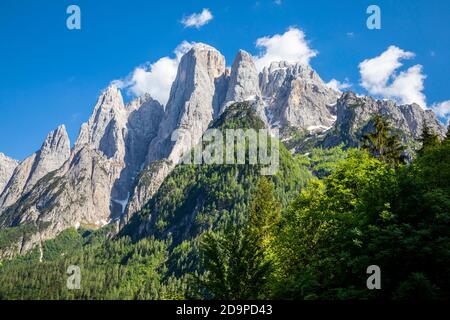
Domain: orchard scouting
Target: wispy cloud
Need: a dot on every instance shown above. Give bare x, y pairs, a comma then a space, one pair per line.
197, 20
290, 46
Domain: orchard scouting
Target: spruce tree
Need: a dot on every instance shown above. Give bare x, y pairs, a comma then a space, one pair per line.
428, 138
382, 143
238, 263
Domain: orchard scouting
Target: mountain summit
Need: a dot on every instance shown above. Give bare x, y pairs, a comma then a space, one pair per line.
53, 153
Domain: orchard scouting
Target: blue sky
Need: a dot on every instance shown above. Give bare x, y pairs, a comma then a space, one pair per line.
51, 75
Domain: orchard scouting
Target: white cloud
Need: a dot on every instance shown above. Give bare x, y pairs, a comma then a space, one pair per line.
408, 87
278, 2
442, 110
379, 77
336, 85
155, 78
197, 20
290, 46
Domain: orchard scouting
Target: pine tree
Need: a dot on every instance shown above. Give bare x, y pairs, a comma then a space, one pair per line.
264, 213
428, 138
238, 264
383, 144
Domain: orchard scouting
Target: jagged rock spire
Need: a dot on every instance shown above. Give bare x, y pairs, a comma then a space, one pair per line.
103, 130
192, 102
54, 152
244, 79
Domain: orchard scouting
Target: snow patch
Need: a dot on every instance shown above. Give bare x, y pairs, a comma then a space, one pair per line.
102, 222
318, 128
123, 203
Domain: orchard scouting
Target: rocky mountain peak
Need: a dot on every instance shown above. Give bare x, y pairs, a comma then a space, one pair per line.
244, 79
193, 101
57, 143
139, 101
54, 152
297, 97
104, 130
200, 46
111, 97
201, 57
355, 113
124, 152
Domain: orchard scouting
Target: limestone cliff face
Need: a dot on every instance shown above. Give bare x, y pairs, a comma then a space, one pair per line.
195, 98
51, 156
7, 167
354, 119
192, 103
244, 80
90, 188
150, 179
297, 97
354, 116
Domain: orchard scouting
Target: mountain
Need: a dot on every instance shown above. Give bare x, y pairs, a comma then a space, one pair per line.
125, 153
284, 96
354, 115
51, 156
243, 83
297, 97
7, 166
91, 187
195, 99
196, 198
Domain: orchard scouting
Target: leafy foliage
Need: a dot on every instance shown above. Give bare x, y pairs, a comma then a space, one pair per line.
366, 213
